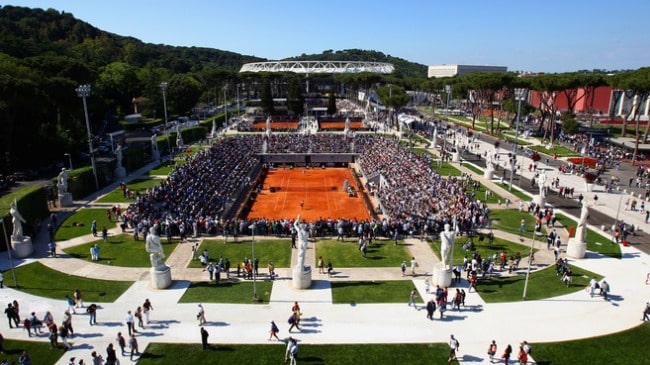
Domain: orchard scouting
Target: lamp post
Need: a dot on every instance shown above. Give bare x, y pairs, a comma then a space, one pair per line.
530, 259
252, 228
69, 159
225, 105
163, 87
520, 95
448, 89
11, 260
83, 91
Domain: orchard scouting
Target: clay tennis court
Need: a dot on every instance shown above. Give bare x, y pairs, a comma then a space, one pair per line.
320, 190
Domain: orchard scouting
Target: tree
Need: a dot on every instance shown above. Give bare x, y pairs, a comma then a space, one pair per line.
569, 123
183, 93
636, 85
331, 104
118, 83
486, 89
266, 98
295, 98
549, 87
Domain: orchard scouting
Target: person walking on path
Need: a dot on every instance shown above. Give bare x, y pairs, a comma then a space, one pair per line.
403, 268
274, 331
11, 315
412, 296
287, 352
522, 356
67, 322
431, 308
129, 320
506, 354
646, 312
71, 304
294, 320
454, 344
414, 264
321, 265
147, 307
133, 345
138, 315
111, 357
204, 338
92, 312
121, 341
492, 350
78, 298
201, 315
293, 352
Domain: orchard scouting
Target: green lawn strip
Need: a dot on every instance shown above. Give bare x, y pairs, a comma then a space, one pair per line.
560, 150
164, 169
37, 279
477, 170
40, 352
78, 224
228, 291
595, 241
447, 169
516, 192
358, 292
481, 247
138, 186
273, 353
542, 284
509, 220
381, 253
276, 250
623, 347
121, 250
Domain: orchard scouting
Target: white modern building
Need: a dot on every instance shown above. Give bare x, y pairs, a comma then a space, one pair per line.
460, 70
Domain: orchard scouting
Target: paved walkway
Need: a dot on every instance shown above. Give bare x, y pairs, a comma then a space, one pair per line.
577, 314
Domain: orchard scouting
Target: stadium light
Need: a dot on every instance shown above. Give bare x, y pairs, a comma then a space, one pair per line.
83, 91
520, 95
163, 87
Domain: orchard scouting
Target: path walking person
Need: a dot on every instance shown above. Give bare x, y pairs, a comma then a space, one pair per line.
454, 344
204, 338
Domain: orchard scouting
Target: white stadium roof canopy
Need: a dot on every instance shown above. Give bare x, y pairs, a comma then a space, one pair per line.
322, 67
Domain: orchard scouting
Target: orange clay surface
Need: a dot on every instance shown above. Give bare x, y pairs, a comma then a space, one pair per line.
321, 190
339, 125
275, 125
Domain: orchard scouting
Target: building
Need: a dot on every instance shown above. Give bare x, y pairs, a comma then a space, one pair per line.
460, 70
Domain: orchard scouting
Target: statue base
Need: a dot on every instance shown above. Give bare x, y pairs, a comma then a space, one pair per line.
441, 277
155, 155
576, 249
161, 279
537, 199
22, 247
120, 172
301, 279
65, 200
488, 174
455, 157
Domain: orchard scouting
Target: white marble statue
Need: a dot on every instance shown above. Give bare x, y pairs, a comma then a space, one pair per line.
155, 249
179, 138
541, 180
154, 144
63, 181
17, 220
446, 243
303, 237
489, 163
118, 155
581, 231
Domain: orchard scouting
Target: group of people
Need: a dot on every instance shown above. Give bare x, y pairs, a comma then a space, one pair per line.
523, 353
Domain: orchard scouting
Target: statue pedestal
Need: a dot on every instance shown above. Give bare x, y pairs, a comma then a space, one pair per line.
155, 155
65, 200
488, 174
22, 247
441, 277
161, 279
120, 172
576, 249
538, 199
301, 279
455, 157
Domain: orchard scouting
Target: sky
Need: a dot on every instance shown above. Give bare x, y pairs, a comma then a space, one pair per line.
526, 35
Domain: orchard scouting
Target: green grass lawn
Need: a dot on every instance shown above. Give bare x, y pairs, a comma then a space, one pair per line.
37, 279
40, 352
228, 291
595, 241
515, 191
475, 169
447, 169
481, 247
78, 224
509, 220
542, 284
357, 292
121, 250
622, 348
560, 150
278, 251
138, 186
382, 253
163, 169
273, 353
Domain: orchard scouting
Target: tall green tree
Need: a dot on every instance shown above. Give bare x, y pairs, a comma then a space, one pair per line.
183, 93
295, 98
266, 98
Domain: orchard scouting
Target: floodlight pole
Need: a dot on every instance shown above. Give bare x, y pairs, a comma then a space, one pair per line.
520, 95
11, 260
530, 259
252, 228
83, 91
163, 87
